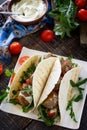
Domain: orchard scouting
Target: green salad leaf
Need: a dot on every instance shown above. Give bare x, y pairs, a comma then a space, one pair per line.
75, 98
65, 17
43, 115
9, 73
26, 74
4, 93
27, 108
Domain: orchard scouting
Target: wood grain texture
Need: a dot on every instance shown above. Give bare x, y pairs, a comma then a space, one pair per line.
83, 34
65, 47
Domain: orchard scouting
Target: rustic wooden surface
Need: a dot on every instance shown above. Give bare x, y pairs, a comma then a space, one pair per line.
65, 47
83, 34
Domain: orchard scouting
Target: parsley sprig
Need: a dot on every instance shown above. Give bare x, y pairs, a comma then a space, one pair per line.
75, 98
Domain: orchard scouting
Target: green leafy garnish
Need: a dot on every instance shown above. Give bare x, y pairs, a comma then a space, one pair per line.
70, 58
27, 108
13, 101
4, 93
75, 98
65, 16
70, 108
78, 98
26, 74
27, 89
79, 83
43, 115
15, 92
24, 108
9, 73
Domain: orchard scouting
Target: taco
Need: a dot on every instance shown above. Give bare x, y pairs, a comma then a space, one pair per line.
53, 101
28, 84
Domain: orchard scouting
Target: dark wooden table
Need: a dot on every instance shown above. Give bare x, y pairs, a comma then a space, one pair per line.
64, 47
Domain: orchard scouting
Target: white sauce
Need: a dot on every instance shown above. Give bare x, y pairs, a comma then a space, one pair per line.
29, 10
28, 98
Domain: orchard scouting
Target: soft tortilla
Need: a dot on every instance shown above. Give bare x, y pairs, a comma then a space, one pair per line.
15, 83
52, 80
40, 77
66, 90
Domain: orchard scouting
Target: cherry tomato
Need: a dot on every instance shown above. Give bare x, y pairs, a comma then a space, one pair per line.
51, 114
82, 15
1, 69
15, 48
23, 59
12, 77
80, 3
28, 81
47, 35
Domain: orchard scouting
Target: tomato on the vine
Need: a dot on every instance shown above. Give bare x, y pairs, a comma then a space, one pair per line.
1, 69
80, 3
23, 59
82, 15
47, 35
15, 48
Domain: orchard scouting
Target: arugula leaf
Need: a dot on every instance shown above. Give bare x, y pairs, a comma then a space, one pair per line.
78, 98
43, 114
70, 108
73, 84
13, 101
4, 93
65, 16
75, 98
81, 82
27, 108
70, 58
9, 73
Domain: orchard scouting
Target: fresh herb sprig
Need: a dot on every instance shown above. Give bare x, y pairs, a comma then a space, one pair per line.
9, 73
75, 98
26, 74
70, 108
43, 115
65, 16
27, 108
4, 93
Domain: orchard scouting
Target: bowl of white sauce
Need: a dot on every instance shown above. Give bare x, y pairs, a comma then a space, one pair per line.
28, 12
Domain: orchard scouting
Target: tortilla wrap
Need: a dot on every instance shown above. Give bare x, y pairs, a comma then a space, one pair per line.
15, 83
40, 76
52, 80
65, 90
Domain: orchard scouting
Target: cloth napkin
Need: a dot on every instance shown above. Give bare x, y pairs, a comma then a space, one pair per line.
12, 29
